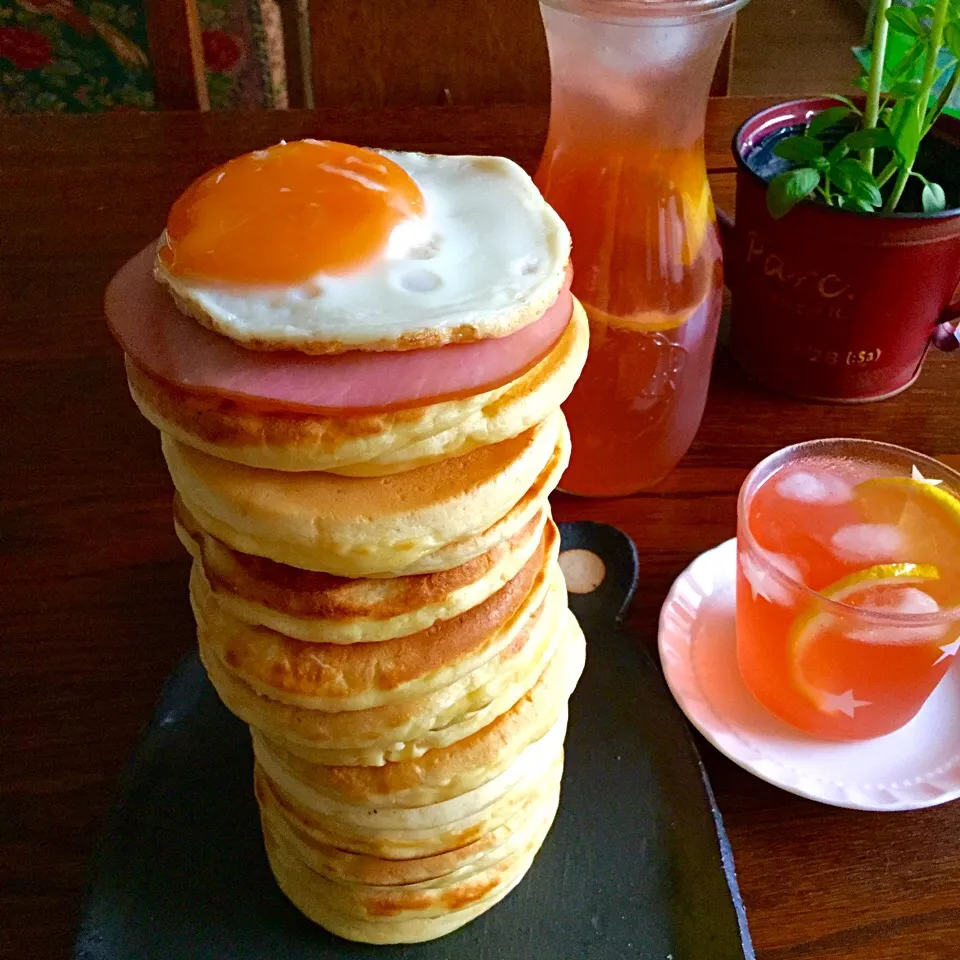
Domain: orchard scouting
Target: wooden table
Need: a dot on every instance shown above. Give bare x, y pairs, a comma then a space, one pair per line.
94, 603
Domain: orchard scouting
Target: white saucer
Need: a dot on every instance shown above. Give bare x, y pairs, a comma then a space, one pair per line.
917, 766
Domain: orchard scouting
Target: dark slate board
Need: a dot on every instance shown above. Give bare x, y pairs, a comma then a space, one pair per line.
637, 864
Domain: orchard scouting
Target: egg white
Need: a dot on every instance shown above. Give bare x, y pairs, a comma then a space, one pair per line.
487, 257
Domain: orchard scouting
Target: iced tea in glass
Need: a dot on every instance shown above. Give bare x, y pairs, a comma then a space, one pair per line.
848, 585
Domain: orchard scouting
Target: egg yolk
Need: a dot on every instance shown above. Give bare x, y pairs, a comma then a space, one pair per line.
287, 213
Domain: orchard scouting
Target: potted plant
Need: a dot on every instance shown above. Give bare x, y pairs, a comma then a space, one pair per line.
845, 259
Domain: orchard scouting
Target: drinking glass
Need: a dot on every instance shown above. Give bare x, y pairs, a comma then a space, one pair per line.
848, 584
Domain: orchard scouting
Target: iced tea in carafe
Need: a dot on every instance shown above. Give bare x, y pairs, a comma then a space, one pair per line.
624, 166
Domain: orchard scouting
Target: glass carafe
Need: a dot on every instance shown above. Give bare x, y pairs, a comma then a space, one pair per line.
624, 166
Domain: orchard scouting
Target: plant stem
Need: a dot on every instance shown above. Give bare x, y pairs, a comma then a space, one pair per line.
825, 190
888, 171
937, 26
874, 88
935, 42
903, 177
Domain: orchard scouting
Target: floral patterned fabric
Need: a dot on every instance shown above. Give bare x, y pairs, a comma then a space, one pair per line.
243, 53
73, 56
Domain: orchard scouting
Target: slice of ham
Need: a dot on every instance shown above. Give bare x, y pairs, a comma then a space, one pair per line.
178, 350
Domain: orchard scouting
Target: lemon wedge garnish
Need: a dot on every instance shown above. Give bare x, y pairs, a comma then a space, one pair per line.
927, 516
886, 497
809, 625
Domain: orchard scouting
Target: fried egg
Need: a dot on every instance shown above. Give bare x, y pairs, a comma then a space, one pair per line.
322, 247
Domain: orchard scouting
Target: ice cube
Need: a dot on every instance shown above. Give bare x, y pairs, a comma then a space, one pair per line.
868, 542
903, 601
641, 53
807, 487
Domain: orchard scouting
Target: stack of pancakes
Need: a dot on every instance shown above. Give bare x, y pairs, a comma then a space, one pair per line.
378, 596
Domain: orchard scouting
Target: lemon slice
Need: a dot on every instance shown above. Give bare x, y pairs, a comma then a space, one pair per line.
650, 321
698, 216
886, 495
928, 516
808, 626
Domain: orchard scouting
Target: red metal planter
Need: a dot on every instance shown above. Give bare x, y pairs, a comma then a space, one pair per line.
835, 305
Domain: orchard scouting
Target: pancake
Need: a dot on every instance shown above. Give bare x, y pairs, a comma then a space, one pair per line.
443, 828
337, 677
310, 894
403, 877
321, 608
445, 773
382, 526
363, 445
397, 731
413, 911
341, 865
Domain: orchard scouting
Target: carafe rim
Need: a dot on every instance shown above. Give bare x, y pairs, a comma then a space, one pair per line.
634, 11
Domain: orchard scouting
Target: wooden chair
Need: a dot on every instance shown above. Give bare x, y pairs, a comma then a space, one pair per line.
176, 52
724, 72
372, 53
176, 55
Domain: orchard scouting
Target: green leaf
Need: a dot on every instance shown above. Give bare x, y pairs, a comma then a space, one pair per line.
853, 107
837, 153
894, 117
855, 203
788, 189
826, 119
908, 66
904, 20
872, 139
862, 82
951, 37
858, 181
904, 88
868, 194
906, 132
943, 99
799, 149
820, 163
933, 198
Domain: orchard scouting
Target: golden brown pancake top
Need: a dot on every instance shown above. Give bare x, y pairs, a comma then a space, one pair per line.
476, 759
306, 593
343, 671
517, 665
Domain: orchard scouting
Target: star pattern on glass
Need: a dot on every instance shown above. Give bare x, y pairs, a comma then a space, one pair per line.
948, 650
759, 580
920, 478
764, 583
841, 703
